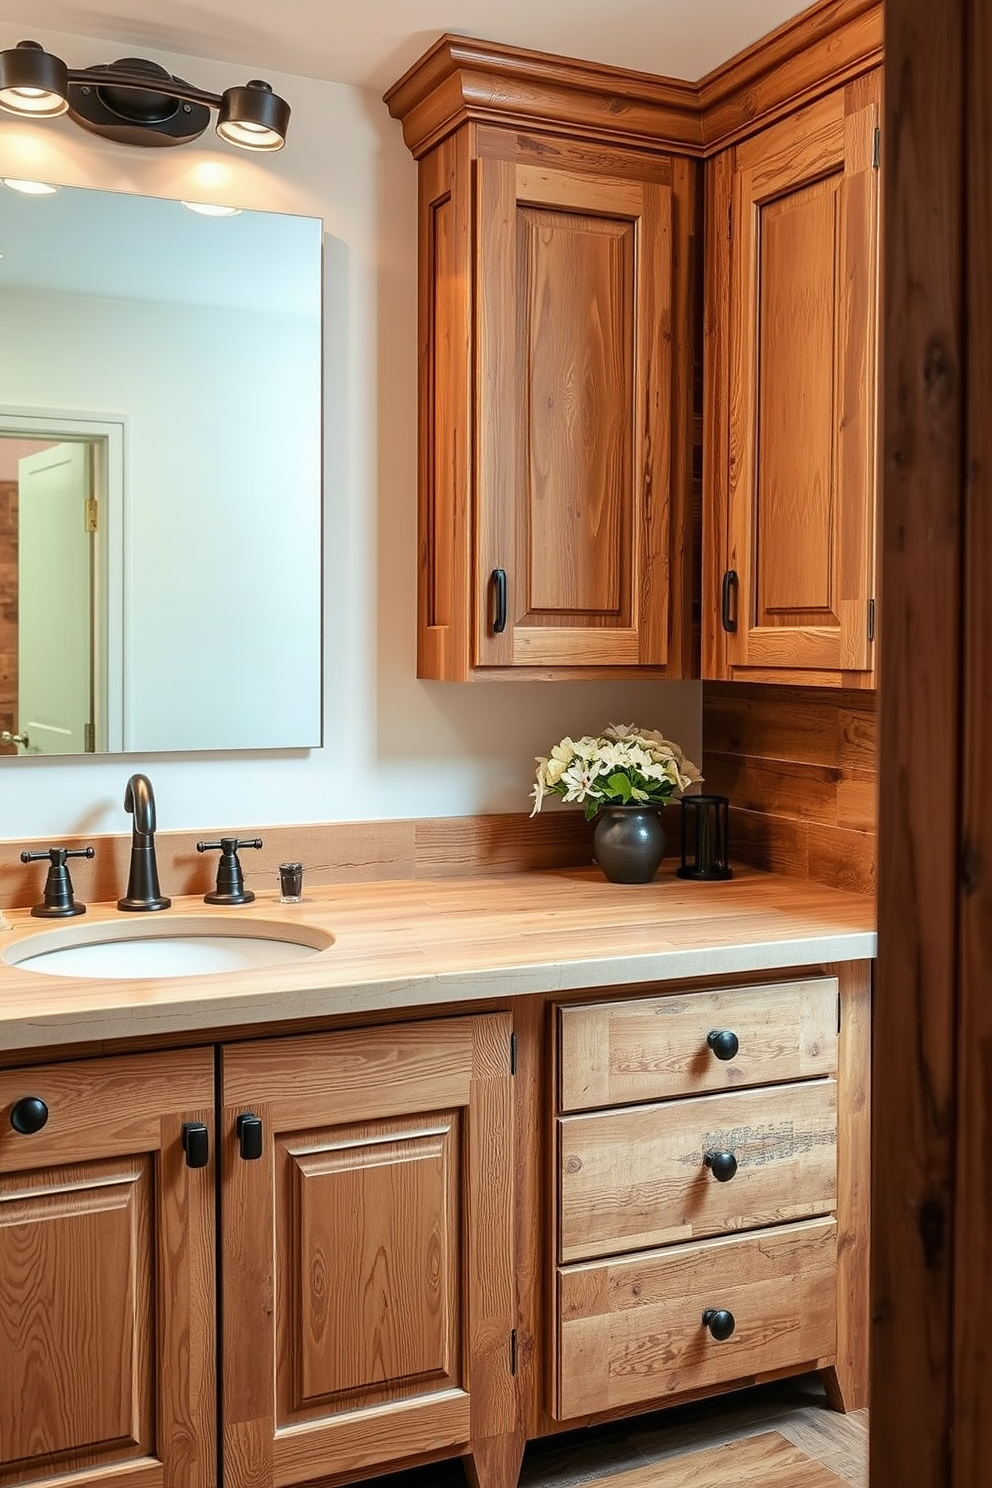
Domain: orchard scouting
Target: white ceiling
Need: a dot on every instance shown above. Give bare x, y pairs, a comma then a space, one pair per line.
370, 43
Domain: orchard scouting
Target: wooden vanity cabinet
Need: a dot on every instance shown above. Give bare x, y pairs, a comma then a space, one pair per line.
107, 1305
367, 1222
555, 407
792, 289
711, 1209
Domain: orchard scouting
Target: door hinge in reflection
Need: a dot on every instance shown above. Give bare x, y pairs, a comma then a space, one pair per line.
513, 1053
876, 154
90, 514
513, 1351
89, 739
871, 620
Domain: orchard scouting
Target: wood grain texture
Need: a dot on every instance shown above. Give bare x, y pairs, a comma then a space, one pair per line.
631, 1328
379, 1279
331, 852
615, 1053
917, 1023
461, 79
801, 394
847, 1379
638, 1177
767, 1459
972, 1434
107, 1302
799, 768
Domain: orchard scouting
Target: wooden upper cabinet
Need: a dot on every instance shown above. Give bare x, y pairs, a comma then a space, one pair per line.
792, 382
555, 402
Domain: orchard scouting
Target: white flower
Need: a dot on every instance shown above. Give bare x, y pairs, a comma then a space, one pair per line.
580, 781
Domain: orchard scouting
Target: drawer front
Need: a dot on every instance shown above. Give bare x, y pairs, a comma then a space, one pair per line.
632, 1330
654, 1048
639, 1177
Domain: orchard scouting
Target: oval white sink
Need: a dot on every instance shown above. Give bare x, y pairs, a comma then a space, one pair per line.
185, 946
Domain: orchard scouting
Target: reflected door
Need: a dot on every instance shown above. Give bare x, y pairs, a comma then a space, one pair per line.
55, 601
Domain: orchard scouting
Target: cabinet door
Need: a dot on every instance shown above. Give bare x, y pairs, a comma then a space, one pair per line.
802, 392
107, 1275
368, 1251
573, 411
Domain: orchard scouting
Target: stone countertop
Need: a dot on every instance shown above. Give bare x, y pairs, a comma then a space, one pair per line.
429, 943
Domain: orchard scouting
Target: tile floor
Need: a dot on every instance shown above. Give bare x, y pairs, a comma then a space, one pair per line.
795, 1408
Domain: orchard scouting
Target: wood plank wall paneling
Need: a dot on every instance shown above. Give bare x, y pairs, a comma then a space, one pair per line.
799, 768
331, 852
8, 611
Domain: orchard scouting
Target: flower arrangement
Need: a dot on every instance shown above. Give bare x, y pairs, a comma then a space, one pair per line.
622, 766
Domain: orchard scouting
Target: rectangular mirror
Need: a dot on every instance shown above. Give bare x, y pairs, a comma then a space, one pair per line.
160, 476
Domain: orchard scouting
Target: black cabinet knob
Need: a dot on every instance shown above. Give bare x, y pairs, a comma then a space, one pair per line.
723, 1043
723, 1165
249, 1129
28, 1115
720, 1322
196, 1144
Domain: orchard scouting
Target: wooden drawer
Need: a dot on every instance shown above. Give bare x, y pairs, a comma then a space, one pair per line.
631, 1330
635, 1178
655, 1048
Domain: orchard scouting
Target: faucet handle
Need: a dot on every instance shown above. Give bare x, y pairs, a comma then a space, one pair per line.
59, 902
230, 877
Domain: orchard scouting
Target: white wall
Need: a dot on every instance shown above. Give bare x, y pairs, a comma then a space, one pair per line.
393, 746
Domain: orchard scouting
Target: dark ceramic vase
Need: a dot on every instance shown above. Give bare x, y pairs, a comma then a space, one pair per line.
628, 842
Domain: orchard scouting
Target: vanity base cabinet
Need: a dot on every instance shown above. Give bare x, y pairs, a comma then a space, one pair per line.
107, 1304
367, 1221
715, 1234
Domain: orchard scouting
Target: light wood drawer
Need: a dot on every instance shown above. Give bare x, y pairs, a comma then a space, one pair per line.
638, 1177
632, 1330
655, 1048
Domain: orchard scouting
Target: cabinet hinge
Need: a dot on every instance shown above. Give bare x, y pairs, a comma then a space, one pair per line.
89, 738
513, 1350
90, 514
871, 619
838, 1012
876, 154
513, 1053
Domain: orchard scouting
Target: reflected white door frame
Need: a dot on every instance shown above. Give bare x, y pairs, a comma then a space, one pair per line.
107, 435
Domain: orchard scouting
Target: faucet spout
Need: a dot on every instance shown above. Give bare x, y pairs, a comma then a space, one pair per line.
142, 885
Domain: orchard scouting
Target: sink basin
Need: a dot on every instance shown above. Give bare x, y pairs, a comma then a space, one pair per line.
182, 946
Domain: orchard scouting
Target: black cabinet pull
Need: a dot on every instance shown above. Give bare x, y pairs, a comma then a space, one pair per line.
720, 1322
249, 1130
723, 1043
28, 1115
723, 1165
499, 592
196, 1144
730, 581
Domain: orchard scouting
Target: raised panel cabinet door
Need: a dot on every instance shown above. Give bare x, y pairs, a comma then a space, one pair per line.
802, 392
107, 1311
574, 406
367, 1242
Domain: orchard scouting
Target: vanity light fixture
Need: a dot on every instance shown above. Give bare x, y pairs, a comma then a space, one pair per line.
137, 102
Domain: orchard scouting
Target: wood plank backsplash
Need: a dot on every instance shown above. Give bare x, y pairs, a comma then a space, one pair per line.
798, 765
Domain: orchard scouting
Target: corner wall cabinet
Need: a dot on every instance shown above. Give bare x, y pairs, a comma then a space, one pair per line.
555, 400
791, 446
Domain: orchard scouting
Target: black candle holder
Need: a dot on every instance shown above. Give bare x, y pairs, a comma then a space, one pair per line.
705, 838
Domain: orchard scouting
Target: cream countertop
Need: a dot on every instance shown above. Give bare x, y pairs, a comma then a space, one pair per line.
427, 943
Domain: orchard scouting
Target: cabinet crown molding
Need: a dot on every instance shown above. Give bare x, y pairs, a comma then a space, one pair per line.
461, 79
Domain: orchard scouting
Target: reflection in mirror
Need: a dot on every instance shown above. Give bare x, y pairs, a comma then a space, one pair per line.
159, 476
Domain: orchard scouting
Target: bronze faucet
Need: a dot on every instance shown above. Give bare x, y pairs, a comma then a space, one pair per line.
142, 885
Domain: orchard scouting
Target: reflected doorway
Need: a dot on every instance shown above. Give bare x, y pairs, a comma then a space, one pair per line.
55, 684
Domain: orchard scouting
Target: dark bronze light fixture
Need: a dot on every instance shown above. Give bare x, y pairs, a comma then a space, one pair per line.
136, 102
